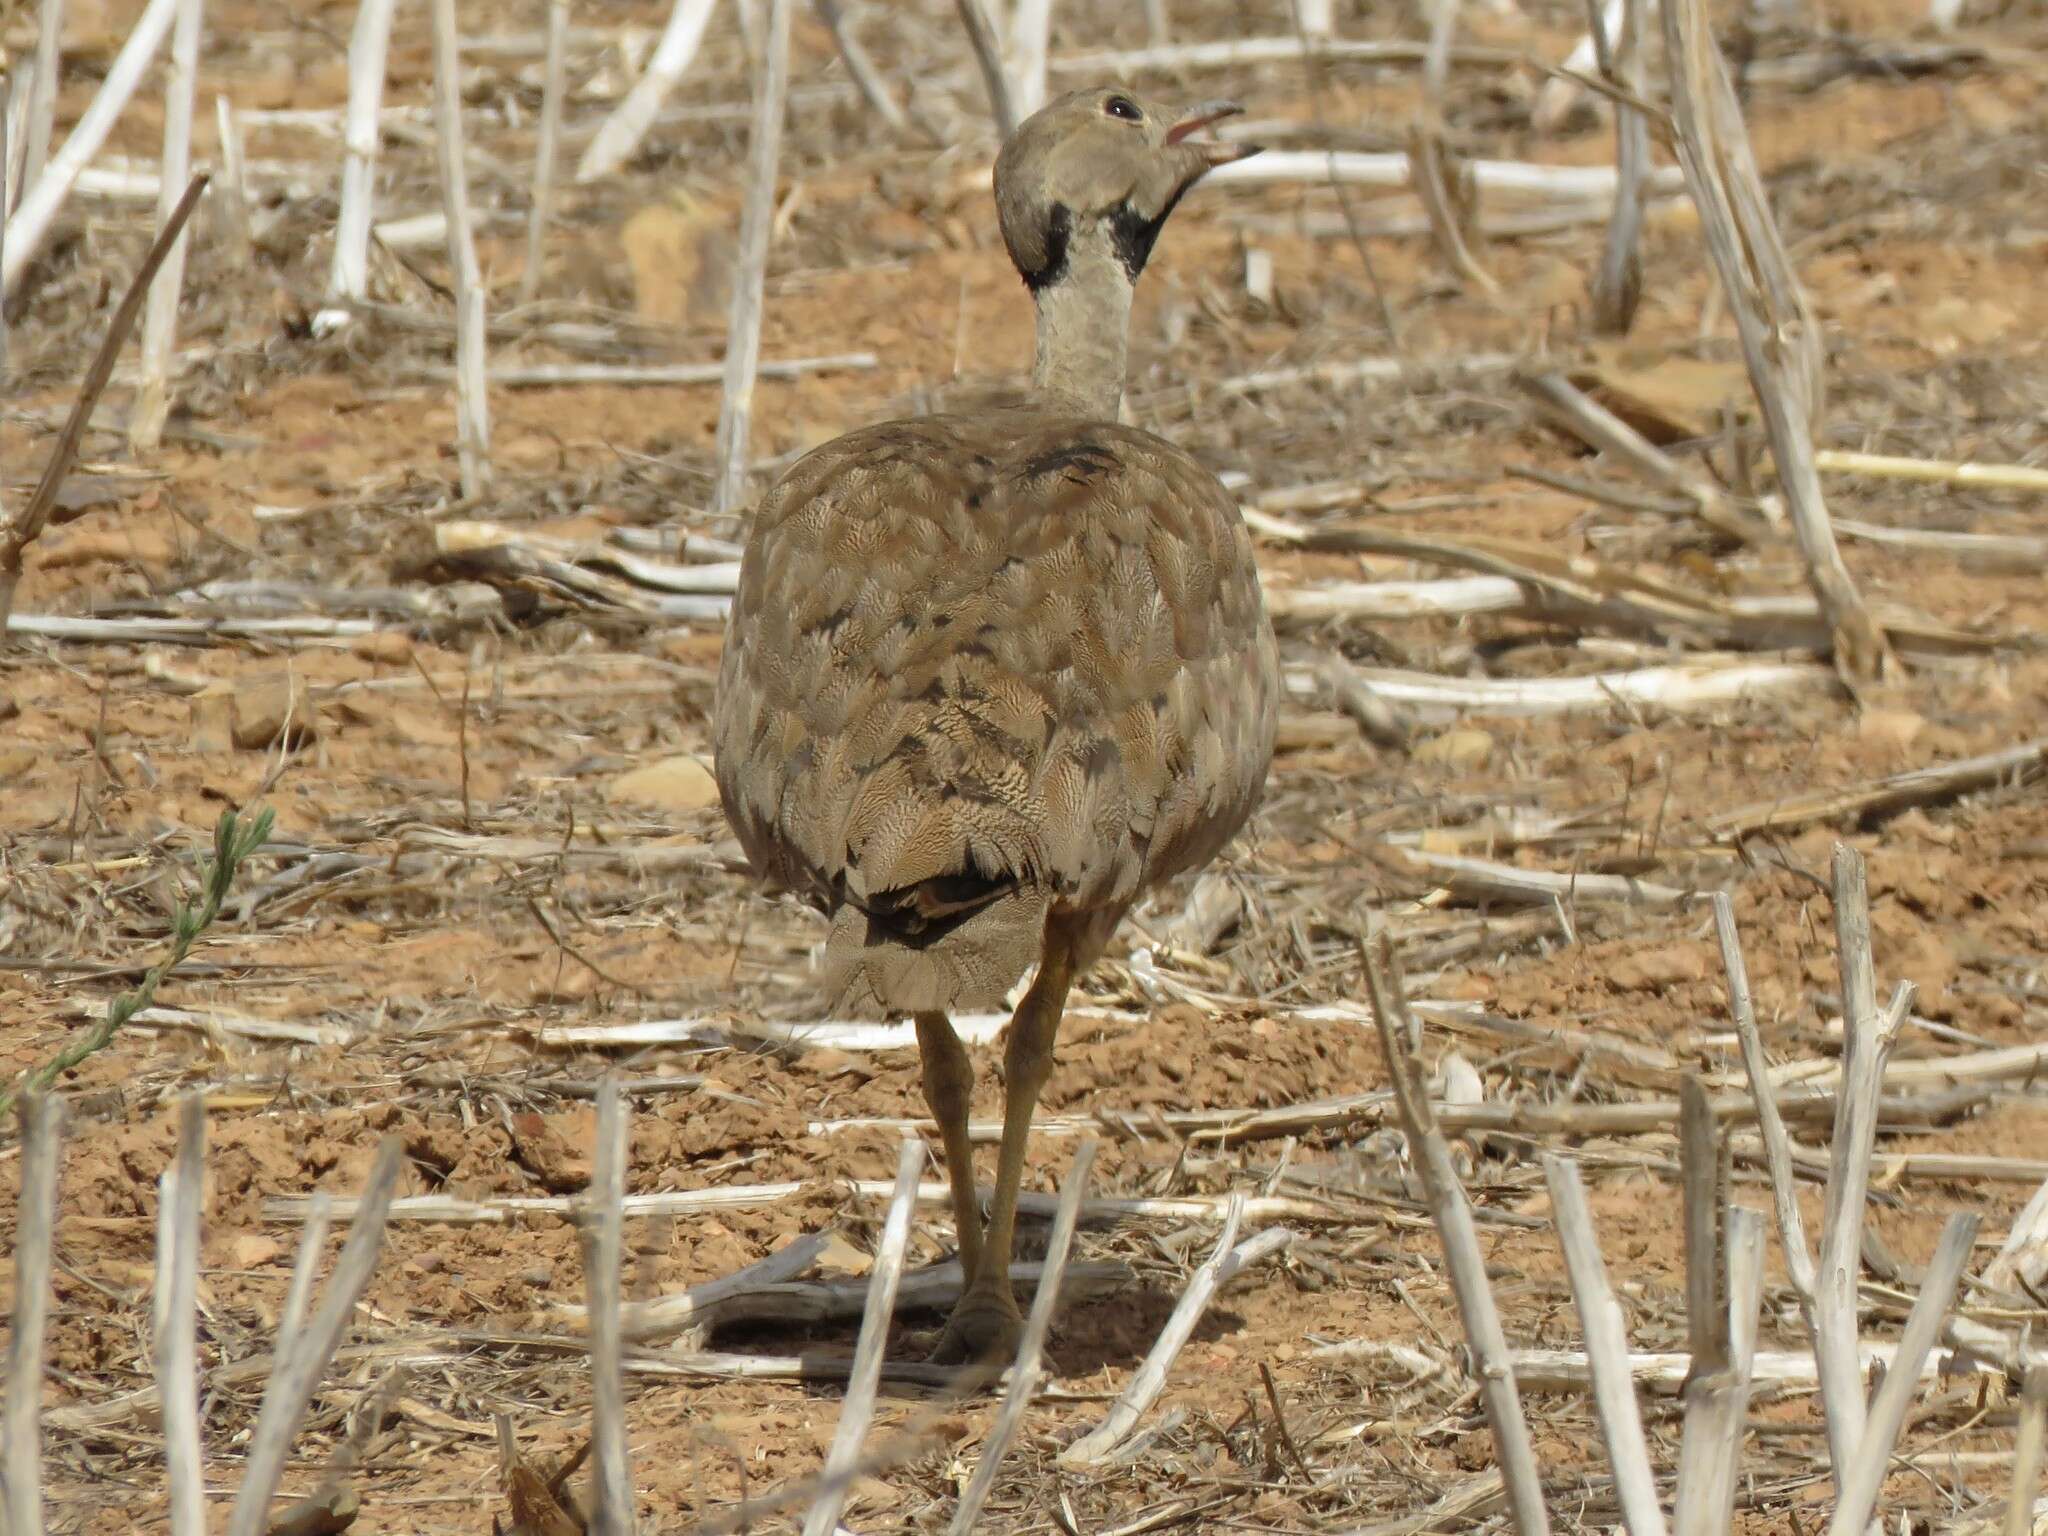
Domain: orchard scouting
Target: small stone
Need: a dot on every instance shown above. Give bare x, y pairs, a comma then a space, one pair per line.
680, 783
1890, 727
1466, 748
386, 646
253, 1250
253, 715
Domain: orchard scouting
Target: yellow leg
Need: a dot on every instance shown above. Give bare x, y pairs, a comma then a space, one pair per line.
986, 1323
949, 1090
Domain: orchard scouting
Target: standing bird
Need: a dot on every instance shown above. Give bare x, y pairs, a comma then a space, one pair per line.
992, 675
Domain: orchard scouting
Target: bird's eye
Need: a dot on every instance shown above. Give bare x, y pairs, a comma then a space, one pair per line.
1123, 107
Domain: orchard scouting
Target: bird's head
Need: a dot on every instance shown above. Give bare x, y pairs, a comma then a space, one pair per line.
1105, 161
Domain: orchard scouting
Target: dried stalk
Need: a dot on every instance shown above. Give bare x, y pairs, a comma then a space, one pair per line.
1572, 184
2013, 766
1602, 1322
306, 1267
1571, 408
1618, 284
36, 213
1149, 1380
603, 1235
620, 134
866, 78
700, 1308
348, 275
1858, 1483
173, 1322
1694, 684
21, 1396
1448, 1208
1025, 1375
1030, 40
472, 391
843, 1459
1865, 1043
232, 198
29, 523
544, 153
160, 320
1780, 337
1717, 1396
1439, 179
1777, 1144
757, 219
2026, 1462
41, 120
1883, 466
1706, 1316
304, 1357
988, 54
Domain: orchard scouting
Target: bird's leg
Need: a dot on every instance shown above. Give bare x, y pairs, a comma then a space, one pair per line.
949, 1090
986, 1323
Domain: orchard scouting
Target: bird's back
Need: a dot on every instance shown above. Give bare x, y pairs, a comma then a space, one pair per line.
982, 669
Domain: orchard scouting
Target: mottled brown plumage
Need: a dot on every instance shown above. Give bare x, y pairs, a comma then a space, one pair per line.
991, 676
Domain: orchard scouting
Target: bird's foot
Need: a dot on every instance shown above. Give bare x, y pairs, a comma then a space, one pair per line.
985, 1328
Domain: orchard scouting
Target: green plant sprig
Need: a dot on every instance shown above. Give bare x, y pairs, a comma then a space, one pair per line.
233, 842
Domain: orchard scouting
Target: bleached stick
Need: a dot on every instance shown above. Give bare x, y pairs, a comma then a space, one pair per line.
1030, 38
866, 78
757, 219
1515, 178
1684, 686
37, 210
1601, 1320
544, 152
303, 1357
822, 1518
1452, 1214
1156, 29
160, 317
234, 181
348, 275
1779, 333
1024, 1375
1232, 53
1149, 1380
1865, 1043
988, 54
1885, 466
21, 1411
472, 389
1857, 1484
172, 1320
620, 134
1316, 18
42, 99
603, 1236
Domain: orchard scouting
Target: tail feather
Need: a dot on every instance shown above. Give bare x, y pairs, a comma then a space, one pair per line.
956, 942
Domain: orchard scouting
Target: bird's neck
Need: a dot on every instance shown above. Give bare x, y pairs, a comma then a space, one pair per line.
1084, 318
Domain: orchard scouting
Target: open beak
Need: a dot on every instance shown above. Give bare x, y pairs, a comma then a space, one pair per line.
1202, 115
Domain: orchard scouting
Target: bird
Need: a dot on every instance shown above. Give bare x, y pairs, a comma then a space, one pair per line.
989, 677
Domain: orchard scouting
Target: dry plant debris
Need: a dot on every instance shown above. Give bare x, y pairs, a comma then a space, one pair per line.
1563, 716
